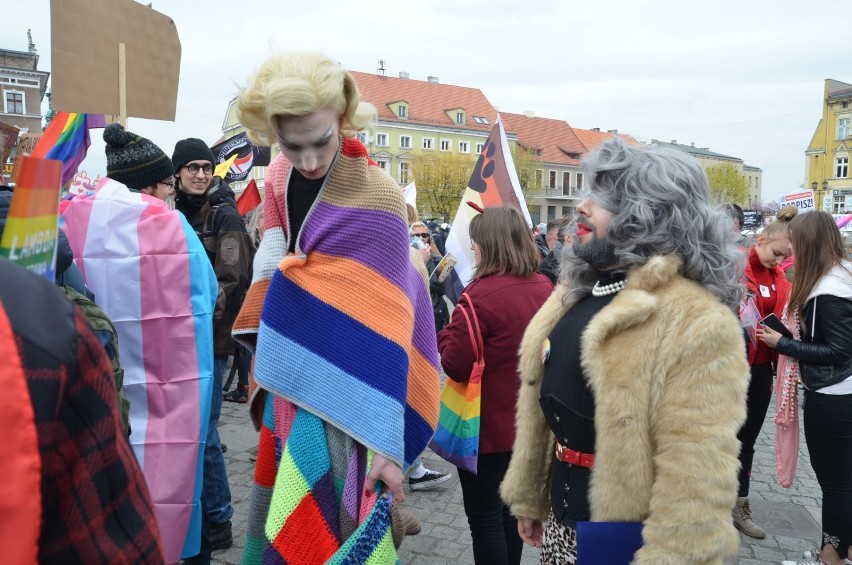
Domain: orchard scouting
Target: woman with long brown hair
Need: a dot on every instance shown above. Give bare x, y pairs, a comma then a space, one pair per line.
504, 295
819, 314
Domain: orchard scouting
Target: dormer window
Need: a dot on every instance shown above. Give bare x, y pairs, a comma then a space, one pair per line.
460, 117
402, 111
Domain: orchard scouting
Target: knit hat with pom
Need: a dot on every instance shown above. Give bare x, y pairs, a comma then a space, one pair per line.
133, 160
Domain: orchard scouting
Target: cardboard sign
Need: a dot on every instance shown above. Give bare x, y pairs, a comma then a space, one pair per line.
804, 200
88, 75
8, 140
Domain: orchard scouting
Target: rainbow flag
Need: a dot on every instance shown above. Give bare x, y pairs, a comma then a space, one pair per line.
494, 182
29, 238
152, 277
67, 139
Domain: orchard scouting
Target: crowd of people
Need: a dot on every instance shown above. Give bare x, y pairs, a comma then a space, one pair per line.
627, 361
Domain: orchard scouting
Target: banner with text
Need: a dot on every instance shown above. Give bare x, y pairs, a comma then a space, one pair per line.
803, 200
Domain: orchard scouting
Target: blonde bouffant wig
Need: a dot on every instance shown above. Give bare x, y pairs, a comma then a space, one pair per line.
296, 84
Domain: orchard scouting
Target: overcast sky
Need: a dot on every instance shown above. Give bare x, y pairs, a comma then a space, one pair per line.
744, 78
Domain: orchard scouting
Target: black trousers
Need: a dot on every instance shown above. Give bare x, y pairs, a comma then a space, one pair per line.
828, 434
493, 528
757, 403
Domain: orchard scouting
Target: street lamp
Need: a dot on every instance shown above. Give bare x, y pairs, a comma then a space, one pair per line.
821, 192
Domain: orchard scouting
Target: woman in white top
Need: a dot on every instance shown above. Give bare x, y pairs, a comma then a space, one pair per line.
821, 307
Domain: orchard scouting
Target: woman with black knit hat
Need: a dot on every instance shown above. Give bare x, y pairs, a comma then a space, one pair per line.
211, 209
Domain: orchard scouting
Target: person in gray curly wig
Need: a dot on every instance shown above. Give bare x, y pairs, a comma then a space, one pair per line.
634, 371
659, 202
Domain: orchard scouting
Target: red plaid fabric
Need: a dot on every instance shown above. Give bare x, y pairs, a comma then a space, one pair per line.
95, 504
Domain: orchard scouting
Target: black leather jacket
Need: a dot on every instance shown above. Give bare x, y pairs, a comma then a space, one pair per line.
825, 352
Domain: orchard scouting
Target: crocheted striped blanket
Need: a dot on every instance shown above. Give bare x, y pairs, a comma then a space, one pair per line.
318, 512
344, 327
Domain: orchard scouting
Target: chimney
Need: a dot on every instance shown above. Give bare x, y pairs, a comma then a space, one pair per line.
433, 79
674, 141
692, 144
403, 74
529, 113
595, 129
612, 131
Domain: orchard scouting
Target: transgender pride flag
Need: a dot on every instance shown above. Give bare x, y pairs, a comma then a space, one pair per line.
152, 277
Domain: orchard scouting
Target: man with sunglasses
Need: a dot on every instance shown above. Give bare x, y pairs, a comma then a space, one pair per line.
211, 209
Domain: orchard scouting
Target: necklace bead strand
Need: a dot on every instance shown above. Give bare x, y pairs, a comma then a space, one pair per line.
607, 289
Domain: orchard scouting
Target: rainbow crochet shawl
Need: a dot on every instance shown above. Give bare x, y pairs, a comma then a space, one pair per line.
346, 329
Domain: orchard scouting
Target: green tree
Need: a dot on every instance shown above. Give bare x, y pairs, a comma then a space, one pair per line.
727, 184
526, 164
441, 179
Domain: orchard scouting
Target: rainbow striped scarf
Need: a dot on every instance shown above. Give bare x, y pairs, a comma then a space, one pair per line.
152, 277
347, 328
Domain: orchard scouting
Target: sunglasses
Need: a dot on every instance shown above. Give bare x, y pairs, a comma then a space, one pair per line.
423, 235
195, 167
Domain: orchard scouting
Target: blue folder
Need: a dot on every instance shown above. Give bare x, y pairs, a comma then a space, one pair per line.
608, 543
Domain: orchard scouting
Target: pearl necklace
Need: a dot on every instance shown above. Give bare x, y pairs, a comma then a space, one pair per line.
607, 289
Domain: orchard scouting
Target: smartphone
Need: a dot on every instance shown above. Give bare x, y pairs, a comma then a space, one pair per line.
773, 322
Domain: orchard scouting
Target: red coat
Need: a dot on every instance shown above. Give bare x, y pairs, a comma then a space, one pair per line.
504, 304
768, 286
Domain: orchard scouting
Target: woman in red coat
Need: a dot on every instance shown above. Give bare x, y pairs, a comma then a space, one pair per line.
768, 287
505, 293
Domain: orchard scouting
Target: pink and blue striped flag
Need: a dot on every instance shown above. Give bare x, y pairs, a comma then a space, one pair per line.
67, 139
151, 275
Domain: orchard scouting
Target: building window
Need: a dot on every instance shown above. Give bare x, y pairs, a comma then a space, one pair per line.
479, 148
383, 165
362, 137
552, 179
464, 147
539, 176
566, 184
567, 211
428, 142
404, 173
579, 181
14, 102
839, 204
551, 213
841, 169
843, 128
382, 139
446, 145
459, 117
405, 141
402, 111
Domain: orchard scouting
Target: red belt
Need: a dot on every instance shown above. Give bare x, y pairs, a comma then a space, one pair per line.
574, 457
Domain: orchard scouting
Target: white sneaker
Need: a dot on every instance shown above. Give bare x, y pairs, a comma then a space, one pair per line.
429, 480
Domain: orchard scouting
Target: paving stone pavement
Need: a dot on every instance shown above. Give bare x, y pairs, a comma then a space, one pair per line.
790, 516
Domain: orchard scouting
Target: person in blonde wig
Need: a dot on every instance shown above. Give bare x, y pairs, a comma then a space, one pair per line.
346, 383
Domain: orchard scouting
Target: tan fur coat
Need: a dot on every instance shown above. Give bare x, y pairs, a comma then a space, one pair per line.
666, 363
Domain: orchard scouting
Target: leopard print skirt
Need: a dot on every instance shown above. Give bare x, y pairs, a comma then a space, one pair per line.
559, 543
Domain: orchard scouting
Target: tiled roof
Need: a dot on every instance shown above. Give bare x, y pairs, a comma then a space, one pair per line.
592, 138
428, 102
555, 139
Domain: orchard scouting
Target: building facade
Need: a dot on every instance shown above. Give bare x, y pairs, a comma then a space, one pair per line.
707, 159
827, 155
23, 88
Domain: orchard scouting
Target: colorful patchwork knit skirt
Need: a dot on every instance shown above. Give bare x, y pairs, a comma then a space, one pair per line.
308, 505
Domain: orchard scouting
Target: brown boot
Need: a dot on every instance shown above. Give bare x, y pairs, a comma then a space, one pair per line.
743, 521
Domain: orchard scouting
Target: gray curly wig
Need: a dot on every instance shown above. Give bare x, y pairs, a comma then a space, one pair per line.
660, 200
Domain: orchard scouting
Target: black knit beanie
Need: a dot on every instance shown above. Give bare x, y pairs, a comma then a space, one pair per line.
191, 149
134, 161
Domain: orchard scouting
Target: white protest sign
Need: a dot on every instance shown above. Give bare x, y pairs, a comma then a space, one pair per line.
803, 200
